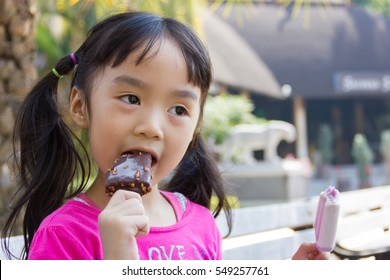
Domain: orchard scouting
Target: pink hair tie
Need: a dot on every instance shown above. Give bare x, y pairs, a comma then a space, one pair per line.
73, 58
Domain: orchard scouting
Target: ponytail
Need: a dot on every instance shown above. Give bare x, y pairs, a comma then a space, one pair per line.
45, 155
198, 178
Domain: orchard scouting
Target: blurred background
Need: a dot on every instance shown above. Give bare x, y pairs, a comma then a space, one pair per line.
321, 65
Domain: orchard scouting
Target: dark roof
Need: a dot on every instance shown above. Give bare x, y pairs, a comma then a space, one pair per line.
235, 62
308, 49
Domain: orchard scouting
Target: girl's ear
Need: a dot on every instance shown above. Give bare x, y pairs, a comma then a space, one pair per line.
78, 108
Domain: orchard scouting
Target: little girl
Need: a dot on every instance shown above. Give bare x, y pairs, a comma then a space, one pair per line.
139, 84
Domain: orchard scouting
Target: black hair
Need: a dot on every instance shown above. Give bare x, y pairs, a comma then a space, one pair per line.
51, 160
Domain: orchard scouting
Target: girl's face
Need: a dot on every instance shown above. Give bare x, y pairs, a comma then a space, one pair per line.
146, 107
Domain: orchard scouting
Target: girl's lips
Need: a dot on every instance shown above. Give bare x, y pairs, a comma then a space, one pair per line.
154, 158
154, 161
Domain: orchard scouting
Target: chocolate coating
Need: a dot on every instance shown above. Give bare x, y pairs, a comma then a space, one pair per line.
130, 172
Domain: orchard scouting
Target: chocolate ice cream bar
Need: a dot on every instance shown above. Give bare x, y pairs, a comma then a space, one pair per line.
130, 172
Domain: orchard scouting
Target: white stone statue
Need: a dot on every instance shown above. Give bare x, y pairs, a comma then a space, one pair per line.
244, 139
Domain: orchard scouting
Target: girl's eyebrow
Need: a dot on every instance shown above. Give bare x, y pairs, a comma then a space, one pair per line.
186, 94
139, 83
130, 81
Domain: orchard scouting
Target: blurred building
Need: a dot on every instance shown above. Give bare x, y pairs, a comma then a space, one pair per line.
331, 62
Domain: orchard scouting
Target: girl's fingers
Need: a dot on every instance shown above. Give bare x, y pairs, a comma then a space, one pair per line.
125, 213
309, 251
143, 226
323, 256
128, 207
123, 195
124, 203
120, 222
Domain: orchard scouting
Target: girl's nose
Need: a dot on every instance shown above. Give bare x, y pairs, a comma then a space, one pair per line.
150, 124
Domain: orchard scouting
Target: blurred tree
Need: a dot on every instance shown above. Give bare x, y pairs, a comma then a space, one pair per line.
63, 24
325, 143
325, 148
385, 153
224, 111
380, 6
364, 157
18, 72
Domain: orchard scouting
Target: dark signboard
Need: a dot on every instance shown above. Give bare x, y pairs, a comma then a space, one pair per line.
361, 82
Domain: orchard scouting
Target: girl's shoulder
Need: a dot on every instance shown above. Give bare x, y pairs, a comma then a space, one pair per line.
74, 212
70, 232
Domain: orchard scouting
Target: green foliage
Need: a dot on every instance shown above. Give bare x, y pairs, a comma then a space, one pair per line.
380, 6
224, 111
47, 43
361, 151
63, 24
233, 201
363, 155
385, 143
325, 143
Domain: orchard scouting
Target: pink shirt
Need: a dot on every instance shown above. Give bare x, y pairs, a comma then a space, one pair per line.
71, 232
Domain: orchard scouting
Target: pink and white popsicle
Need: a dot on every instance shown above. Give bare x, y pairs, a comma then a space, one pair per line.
325, 224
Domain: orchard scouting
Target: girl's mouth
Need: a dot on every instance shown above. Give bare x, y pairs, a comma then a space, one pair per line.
133, 152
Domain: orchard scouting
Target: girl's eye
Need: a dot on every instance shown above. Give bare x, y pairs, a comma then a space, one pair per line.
178, 110
131, 99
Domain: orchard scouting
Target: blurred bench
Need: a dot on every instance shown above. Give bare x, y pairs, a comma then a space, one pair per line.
272, 231
276, 231
16, 244
364, 228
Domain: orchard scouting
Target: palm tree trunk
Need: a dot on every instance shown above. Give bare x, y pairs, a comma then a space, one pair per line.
17, 74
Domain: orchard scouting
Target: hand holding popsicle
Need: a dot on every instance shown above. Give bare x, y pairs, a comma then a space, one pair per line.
126, 182
120, 223
325, 224
309, 251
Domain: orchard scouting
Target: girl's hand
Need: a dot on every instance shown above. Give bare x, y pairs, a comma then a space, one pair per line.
120, 222
309, 251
